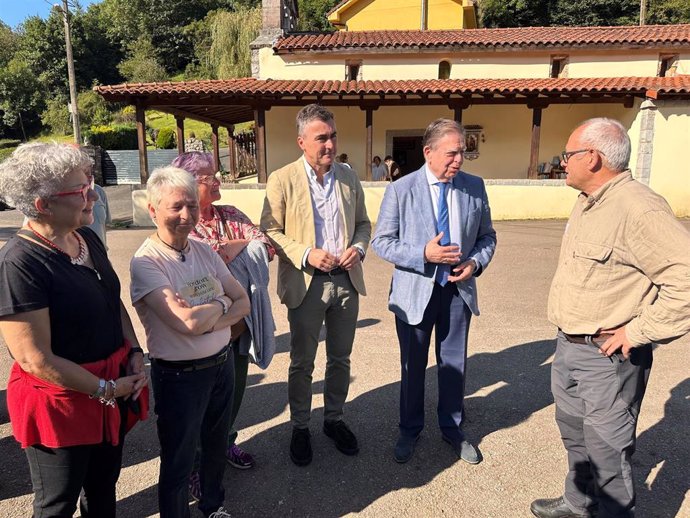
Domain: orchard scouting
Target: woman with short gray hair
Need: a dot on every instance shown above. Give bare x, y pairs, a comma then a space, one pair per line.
187, 301
78, 369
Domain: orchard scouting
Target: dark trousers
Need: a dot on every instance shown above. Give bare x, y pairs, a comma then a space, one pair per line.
241, 369
192, 408
59, 474
597, 404
448, 314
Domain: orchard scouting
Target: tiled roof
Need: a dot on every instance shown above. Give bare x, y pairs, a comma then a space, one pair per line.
282, 88
477, 39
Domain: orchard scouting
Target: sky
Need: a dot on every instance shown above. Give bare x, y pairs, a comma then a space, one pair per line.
13, 12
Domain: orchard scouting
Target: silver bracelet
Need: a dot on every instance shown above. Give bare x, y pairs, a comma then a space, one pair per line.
111, 400
100, 391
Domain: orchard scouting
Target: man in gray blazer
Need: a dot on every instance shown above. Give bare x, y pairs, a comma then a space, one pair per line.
435, 226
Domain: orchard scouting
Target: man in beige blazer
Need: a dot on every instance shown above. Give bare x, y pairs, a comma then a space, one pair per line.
314, 215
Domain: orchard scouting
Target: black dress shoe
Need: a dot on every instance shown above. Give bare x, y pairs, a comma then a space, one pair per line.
344, 439
554, 508
404, 448
300, 446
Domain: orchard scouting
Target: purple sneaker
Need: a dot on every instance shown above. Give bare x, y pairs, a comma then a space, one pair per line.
238, 458
195, 486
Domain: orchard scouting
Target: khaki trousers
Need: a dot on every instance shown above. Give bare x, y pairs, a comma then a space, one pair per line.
335, 302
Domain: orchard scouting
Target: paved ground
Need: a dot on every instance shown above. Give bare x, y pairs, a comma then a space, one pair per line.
509, 409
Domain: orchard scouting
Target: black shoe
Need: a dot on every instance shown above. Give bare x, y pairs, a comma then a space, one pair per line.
464, 450
404, 448
344, 439
300, 446
553, 508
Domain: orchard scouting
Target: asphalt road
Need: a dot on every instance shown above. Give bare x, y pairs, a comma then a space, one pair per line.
510, 411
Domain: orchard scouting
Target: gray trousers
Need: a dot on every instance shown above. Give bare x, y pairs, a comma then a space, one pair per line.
597, 403
335, 301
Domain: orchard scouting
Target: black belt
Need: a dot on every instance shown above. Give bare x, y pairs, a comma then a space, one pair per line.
195, 365
597, 339
333, 272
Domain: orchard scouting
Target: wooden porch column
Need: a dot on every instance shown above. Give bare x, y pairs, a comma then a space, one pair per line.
457, 114
179, 120
232, 165
260, 129
370, 139
141, 143
214, 145
534, 146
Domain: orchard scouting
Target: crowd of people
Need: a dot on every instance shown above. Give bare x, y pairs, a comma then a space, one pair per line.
199, 287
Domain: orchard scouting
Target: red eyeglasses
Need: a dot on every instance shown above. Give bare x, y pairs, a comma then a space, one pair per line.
83, 190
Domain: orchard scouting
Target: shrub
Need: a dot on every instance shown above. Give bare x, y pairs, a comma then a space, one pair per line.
56, 116
166, 139
127, 115
118, 136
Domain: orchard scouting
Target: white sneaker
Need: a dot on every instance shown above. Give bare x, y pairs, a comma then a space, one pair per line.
220, 513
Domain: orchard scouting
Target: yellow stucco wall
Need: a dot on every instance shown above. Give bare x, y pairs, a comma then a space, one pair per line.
475, 65
670, 166
365, 15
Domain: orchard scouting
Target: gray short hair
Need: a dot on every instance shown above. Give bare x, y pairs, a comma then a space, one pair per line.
439, 129
37, 170
193, 161
169, 177
611, 138
312, 112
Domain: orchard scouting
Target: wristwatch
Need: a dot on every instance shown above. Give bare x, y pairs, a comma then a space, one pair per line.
225, 305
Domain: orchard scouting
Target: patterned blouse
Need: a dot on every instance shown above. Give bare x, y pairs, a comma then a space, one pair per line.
212, 232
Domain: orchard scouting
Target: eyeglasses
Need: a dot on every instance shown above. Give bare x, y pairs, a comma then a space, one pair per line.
208, 179
83, 190
565, 155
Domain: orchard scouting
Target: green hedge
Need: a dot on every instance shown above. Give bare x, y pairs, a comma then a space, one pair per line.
165, 139
117, 136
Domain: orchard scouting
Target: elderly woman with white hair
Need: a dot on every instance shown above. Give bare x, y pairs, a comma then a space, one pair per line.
187, 300
78, 370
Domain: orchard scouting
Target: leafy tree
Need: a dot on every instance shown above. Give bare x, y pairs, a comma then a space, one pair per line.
668, 11
142, 65
231, 34
9, 44
524, 13
20, 99
312, 14
56, 116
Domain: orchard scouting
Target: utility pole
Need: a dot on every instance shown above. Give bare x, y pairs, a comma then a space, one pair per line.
73, 108
643, 11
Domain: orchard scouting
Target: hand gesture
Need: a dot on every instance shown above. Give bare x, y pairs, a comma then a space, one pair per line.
130, 386
231, 249
350, 258
617, 341
462, 272
322, 260
434, 252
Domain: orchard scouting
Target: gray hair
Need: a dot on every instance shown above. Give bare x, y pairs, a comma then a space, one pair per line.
439, 129
193, 161
611, 138
37, 170
312, 112
169, 177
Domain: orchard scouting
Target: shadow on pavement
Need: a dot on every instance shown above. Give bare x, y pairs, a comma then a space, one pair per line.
662, 458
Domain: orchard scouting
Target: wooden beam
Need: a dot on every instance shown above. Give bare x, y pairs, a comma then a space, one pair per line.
214, 145
457, 114
179, 120
232, 164
172, 110
370, 139
260, 129
141, 143
534, 145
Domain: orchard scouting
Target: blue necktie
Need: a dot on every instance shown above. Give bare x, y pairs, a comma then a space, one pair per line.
443, 225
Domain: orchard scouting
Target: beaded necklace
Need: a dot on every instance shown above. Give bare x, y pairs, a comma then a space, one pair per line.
83, 250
